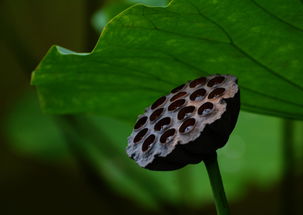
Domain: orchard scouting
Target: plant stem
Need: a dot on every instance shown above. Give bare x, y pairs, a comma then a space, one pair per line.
215, 178
288, 178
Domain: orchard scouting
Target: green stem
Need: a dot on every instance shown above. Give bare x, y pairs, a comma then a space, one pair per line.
215, 178
288, 179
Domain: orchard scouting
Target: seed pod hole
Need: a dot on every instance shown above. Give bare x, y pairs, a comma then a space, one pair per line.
140, 122
159, 102
176, 104
199, 81
198, 95
140, 135
216, 80
162, 124
177, 96
205, 109
156, 114
177, 89
187, 125
185, 112
216, 93
168, 136
148, 142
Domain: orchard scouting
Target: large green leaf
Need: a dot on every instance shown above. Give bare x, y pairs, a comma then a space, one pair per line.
145, 51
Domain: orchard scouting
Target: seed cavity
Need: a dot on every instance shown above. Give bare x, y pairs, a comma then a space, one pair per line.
215, 81
148, 142
176, 104
205, 109
162, 124
156, 114
216, 93
140, 135
140, 122
185, 112
158, 102
187, 125
198, 95
177, 96
177, 89
168, 136
200, 81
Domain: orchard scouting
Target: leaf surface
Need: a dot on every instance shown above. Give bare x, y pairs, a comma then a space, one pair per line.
146, 51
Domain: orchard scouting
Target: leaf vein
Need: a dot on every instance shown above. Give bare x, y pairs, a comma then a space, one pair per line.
198, 71
233, 44
275, 16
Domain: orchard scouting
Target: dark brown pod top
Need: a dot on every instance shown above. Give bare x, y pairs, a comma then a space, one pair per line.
181, 117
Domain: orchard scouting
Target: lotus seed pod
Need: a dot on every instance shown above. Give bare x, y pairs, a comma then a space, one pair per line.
187, 125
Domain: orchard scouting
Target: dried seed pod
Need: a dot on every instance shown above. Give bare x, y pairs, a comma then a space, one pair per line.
187, 125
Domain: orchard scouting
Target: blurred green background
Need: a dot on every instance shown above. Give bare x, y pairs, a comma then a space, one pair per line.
46, 168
